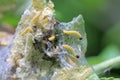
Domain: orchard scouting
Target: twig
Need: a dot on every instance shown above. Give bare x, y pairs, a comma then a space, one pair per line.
106, 64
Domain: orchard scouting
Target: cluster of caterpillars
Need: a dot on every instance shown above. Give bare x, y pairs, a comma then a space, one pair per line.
52, 37
49, 39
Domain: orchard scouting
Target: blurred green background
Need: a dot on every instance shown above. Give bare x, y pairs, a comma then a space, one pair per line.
102, 21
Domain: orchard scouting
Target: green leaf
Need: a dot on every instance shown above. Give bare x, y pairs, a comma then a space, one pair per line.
77, 24
108, 52
112, 36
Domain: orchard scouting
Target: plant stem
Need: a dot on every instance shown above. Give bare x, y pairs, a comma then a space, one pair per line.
106, 64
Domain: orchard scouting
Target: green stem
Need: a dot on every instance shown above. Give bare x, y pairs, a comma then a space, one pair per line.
106, 64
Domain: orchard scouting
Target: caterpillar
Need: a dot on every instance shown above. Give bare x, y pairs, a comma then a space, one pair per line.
28, 29
2, 43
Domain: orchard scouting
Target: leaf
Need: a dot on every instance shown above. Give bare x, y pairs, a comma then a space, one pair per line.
77, 24
110, 51
112, 36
